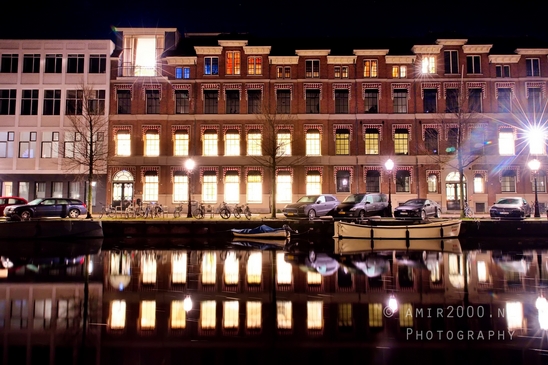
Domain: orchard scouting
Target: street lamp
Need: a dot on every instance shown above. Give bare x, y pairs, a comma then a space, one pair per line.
189, 166
534, 165
389, 165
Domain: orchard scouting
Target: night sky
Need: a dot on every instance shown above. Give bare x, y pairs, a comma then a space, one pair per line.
378, 18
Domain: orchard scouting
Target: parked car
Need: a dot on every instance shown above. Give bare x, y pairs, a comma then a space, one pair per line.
10, 200
46, 207
418, 209
511, 207
362, 205
311, 206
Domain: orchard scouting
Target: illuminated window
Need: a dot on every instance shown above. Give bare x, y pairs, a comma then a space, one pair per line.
373, 181
147, 319
473, 64
342, 142
211, 65
208, 314
284, 317
283, 72
479, 184
254, 188
343, 181
27, 144
232, 143
50, 144
253, 315
230, 314
254, 65
313, 142
532, 65
406, 315
254, 143
57, 189
399, 72
314, 318
403, 181
232, 187
254, 268
370, 68
231, 268
284, 188
428, 65
375, 315
150, 187
284, 273
209, 188
180, 143
144, 61
42, 314
431, 141
209, 268
371, 100
182, 102
400, 101
68, 312
514, 315
312, 68
148, 268
123, 143
232, 102
371, 141
432, 181
283, 140
506, 143
345, 315
313, 183
401, 142
451, 60
178, 267
210, 143
178, 315
313, 278
341, 72
482, 271
341, 101
233, 63
117, 317
180, 187
152, 143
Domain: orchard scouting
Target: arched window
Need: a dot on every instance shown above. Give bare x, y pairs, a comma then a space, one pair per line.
432, 183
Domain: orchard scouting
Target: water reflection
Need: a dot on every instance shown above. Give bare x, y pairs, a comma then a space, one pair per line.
152, 305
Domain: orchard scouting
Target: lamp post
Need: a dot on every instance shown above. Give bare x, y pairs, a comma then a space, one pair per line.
389, 165
189, 166
534, 165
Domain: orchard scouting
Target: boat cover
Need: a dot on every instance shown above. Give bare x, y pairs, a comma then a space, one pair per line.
263, 228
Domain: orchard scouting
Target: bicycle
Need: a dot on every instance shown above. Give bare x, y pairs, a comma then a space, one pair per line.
242, 209
108, 211
199, 212
468, 212
224, 210
178, 211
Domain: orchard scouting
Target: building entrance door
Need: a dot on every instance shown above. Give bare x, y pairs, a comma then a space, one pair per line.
122, 189
452, 191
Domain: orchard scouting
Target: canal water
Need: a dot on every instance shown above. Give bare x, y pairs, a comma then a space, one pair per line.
178, 301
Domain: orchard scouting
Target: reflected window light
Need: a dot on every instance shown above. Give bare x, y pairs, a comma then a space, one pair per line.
542, 307
230, 314
253, 315
283, 270
207, 314
284, 317
514, 315
314, 315
178, 267
375, 315
148, 268
148, 314
406, 315
482, 271
117, 314
313, 278
345, 315
456, 272
178, 315
254, 268
209, 268
90, 267
231, 269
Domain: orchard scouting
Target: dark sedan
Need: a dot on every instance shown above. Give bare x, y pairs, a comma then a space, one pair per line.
418, 209
512, 207
46, 207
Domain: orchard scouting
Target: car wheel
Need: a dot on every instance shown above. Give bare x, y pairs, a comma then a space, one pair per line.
312, 256
423, 215
26, 215
73, 213
361, 214
438, 213
311, 214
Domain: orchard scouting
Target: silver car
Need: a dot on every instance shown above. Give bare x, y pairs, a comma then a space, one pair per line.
311, 206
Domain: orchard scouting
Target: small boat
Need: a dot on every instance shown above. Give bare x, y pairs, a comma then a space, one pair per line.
263, 231
344, 246
260, 243
394, 229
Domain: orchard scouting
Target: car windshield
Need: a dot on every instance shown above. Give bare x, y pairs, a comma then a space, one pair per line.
35, 202
308, 199
414, 202
509, 201
354, 198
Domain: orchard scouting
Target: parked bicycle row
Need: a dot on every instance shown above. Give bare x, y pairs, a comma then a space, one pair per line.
153, 210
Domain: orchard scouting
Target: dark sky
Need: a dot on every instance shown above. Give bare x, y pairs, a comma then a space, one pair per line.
378, 18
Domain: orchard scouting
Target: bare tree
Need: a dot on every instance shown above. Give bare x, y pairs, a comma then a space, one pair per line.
275, 151
85, 148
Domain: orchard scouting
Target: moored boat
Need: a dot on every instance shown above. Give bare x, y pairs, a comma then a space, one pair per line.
345, 246
379, 229
262, 232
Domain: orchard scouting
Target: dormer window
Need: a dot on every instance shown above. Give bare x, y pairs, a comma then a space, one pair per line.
399, 72
428, 65
233, 63
211, 65
254, 65
312, 69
